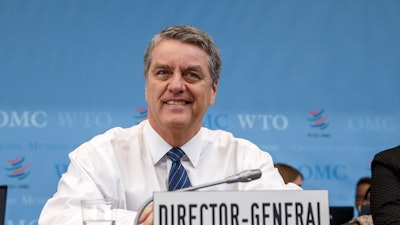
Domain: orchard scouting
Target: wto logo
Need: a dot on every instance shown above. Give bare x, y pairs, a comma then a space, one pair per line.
18, 168
318, 119
141, 114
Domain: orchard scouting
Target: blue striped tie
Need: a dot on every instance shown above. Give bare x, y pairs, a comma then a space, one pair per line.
178, 177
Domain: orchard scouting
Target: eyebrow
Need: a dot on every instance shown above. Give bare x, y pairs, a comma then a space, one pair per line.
161, 66
190, 68
195, 68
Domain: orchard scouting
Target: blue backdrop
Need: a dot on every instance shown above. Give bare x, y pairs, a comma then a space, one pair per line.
315, 83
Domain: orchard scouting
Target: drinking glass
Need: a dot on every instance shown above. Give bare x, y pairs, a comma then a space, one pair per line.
98, 212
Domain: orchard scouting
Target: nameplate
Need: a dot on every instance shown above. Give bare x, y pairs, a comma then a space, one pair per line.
297, 207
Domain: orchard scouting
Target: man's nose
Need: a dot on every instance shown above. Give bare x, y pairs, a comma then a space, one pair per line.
177, 83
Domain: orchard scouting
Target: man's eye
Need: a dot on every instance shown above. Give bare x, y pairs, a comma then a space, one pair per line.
192, 76
162, 72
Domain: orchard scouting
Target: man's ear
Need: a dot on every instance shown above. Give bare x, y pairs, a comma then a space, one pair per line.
213, 92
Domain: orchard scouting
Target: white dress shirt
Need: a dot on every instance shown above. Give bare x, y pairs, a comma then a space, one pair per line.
129, 164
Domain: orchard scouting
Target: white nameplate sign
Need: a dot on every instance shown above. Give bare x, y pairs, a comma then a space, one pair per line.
297, 207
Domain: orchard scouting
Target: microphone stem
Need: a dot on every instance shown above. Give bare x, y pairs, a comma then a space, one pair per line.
201, 186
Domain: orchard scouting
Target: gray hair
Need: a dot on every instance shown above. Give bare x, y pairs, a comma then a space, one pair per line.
191, 35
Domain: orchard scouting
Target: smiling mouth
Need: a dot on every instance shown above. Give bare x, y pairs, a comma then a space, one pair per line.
172, 102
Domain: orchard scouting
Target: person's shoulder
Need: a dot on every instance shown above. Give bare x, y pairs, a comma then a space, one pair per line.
389, 153
107, 142
221, 135
127, 131
388, 157
209, 132
121, 132
227, 139
115, 134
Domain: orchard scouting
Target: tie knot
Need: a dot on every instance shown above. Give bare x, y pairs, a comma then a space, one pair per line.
175, 154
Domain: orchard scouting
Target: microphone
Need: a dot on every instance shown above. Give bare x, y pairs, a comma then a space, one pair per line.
244, 176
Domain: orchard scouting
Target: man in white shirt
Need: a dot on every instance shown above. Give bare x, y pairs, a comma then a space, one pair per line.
181, 66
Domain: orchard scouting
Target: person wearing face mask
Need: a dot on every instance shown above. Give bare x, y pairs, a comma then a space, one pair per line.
362, 203
363, 195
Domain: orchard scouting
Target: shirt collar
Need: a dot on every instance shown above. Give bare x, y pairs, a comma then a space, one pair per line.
159, 147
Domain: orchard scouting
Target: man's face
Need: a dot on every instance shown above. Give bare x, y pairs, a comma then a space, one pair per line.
178, 86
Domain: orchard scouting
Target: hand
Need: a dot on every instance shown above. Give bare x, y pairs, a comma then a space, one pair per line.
147, 216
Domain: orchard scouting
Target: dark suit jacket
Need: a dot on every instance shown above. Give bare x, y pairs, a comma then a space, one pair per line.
385, 187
